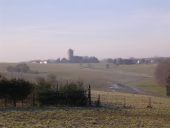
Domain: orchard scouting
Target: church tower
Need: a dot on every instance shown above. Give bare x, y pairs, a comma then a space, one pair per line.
70, 54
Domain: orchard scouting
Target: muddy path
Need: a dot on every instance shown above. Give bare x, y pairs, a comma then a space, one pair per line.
124, 88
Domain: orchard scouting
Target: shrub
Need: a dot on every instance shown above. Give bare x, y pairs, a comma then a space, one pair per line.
19, 68
72, 94
15, 89
19, 89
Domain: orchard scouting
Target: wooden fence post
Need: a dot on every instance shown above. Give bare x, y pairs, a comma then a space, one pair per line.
33, 99
149, 103
124, 101
89, 95
98, 104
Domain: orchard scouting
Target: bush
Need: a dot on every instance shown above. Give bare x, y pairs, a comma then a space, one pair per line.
72, 94
15, 89
19, 68
19, 89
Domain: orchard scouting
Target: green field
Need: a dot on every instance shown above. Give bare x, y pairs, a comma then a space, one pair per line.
104, 117
85, 118
139, 76
135, 116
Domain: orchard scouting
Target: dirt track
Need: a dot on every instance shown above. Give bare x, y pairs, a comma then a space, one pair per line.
124, 88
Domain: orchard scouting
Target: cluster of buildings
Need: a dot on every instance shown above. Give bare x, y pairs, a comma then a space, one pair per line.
130, 61
70, 59
80, 59
85, 59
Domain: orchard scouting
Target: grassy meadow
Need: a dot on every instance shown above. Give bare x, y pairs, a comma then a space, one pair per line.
100, 77
104, 117
85, 118
136, 115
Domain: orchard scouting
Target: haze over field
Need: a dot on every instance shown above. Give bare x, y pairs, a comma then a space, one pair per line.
104, 28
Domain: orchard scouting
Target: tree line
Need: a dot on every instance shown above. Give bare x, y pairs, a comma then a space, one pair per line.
42, 93
14, 90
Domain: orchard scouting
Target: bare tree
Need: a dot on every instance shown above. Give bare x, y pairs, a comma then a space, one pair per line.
162, 72
162, 75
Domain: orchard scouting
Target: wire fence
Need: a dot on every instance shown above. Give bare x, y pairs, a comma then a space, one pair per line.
131, 100
105, 99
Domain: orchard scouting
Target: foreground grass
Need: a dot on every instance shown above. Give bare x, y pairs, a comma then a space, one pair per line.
133, 100
105, 117
137, 116
85, 118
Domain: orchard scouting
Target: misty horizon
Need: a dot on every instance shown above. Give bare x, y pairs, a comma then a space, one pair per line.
65, 56
102, 28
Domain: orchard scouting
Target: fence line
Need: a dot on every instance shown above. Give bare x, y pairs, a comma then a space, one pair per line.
105, 99
134, 101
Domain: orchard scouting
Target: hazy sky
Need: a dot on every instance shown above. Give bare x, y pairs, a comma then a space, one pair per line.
41, 29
